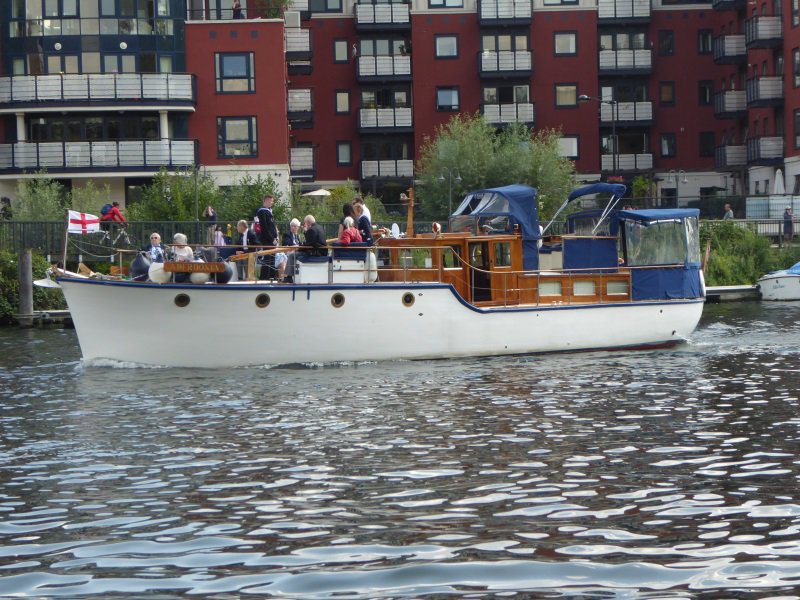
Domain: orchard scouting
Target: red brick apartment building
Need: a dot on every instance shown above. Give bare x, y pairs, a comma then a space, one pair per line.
699, 97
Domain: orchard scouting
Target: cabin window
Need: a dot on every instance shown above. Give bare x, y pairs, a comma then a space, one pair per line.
584, 288
550, 288
502, 254
617, 288
657, 243
450, 257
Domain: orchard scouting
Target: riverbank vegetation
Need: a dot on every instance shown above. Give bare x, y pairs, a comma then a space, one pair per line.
43, 298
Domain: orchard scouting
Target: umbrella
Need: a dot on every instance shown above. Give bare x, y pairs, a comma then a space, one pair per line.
319, 192
778, 188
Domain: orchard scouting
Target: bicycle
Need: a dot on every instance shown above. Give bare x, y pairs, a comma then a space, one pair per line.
120, 240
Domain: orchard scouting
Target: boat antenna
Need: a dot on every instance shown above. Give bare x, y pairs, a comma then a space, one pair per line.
410, 219
612, 202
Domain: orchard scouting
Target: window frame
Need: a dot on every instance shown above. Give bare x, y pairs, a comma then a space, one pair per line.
443, 36
337, 44
445, 3
340, 144
336, 96
220, 78
796, 115
251, 140
452, 107
666, 42
577, 140
564, 87
703, 148
574, 36
664, 85
671, 141
705, 92
705, 43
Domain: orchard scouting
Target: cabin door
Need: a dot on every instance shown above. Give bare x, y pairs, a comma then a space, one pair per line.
480, 282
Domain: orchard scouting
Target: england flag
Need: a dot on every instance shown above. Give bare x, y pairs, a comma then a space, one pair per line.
82, 223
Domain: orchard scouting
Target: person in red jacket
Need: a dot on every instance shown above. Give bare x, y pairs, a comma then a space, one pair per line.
113, 215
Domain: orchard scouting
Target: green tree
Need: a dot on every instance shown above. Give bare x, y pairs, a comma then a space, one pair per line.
89, 198
738, 255
43, 298
171, 197
475, 151
39, 198
244, 198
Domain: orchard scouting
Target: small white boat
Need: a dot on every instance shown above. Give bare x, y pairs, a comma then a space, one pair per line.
781, 285
492, 286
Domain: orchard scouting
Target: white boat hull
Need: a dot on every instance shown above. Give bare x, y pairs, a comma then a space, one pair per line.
223, 325
780, 286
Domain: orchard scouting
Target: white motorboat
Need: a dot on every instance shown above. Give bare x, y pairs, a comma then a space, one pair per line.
781, 285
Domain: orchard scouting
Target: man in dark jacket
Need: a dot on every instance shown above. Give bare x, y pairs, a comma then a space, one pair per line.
269, 237
315, 242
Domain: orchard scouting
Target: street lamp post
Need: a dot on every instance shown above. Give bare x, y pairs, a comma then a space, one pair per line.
450, 187
677, 178
614, 113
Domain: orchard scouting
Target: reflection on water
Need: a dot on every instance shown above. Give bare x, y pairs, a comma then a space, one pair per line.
664, 474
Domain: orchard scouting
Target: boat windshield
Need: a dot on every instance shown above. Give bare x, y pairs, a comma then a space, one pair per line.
667, 242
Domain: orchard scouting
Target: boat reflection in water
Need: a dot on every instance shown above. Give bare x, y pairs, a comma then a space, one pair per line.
493, 285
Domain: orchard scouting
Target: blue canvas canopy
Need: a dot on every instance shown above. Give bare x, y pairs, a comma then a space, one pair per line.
616, 189
518, 203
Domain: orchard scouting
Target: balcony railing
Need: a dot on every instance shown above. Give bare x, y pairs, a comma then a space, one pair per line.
764, 32
730, 104
627, 162
728, 4
505, 12
97, 88
384, 118
730, 157
627, 112
500, 114
382, 16
623, 62
729, 49
389, 67
55, 27
623, 9
301, 162
137, 155
764, 91
505, 62
299, 101
298, 43
764, 150
387, 168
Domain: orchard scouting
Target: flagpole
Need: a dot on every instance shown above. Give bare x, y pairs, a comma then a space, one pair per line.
66, 240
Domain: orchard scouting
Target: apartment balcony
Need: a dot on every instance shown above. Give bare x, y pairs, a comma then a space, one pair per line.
298, 43
117, 90
627, 113
100, 156
387, 169
384, 68
728, 4
503, 114
382, 17
56, 28
763, 32
299, 67
626, 62
623, 11
505, 63
504, 12
764, 91
731, 104
385, 120
765, 151
301, 163
626, 162
730, 158
729, 50
300, 109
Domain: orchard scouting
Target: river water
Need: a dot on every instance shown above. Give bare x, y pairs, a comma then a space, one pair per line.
659, 474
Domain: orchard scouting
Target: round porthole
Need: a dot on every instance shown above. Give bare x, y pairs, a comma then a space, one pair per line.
182, 300
337, 300
408, 299
262, 300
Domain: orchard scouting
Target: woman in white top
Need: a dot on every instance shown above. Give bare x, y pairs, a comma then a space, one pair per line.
180, 251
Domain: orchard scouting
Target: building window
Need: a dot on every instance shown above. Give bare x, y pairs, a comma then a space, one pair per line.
559, 2
340, 50
565, 43
235, 73
566, 94
342, 102
797, 128
383, 47
445, 3
447, 98
666, 43
706, 93
796, 67
668, 145
795, 13
704, 41
236, 137
325, 6
344, 154
666, 93
633, 40
504, 43
506, 94
706, 143
446, 46
568, 146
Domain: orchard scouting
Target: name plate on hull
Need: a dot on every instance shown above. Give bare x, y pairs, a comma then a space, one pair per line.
194, 267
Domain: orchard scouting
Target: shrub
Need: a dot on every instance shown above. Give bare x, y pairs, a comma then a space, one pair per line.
43, 298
